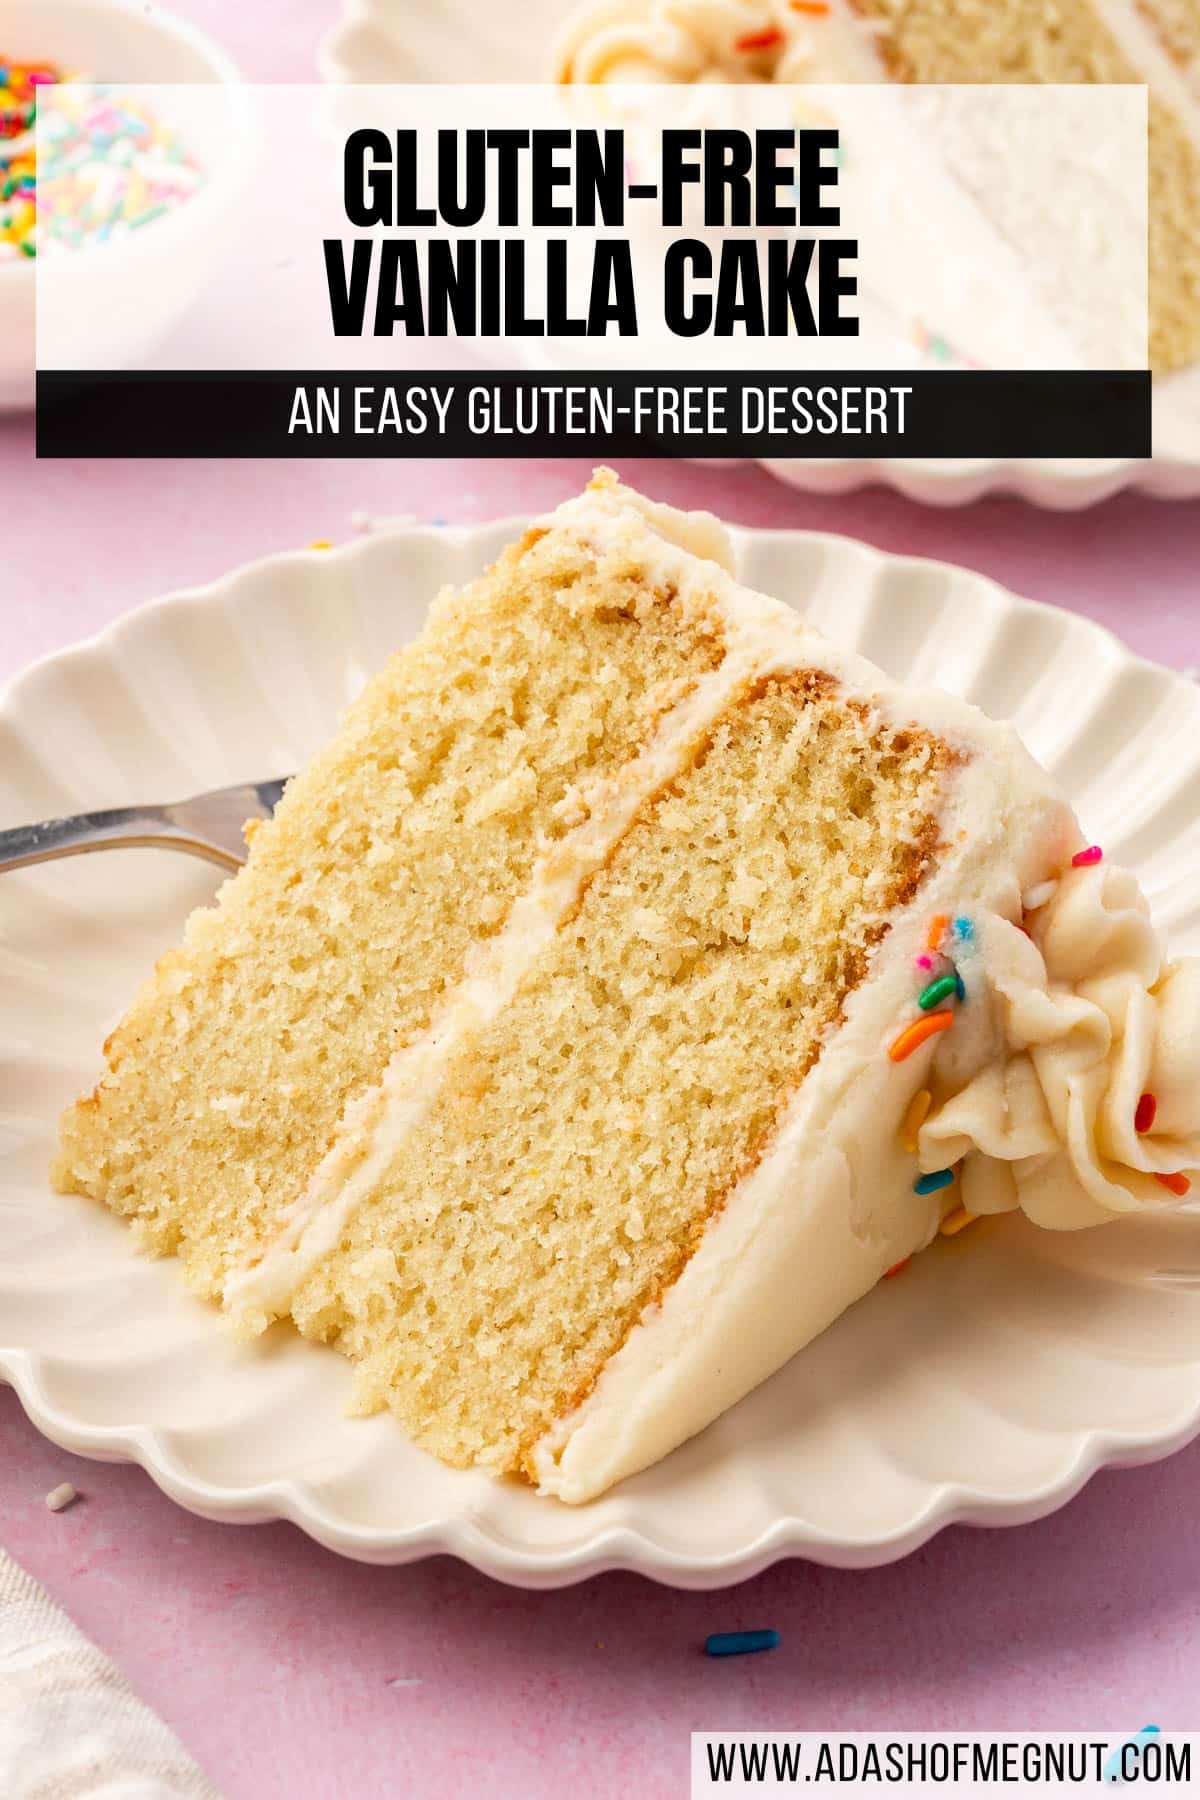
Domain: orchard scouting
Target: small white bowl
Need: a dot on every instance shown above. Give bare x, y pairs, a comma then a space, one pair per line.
159, 269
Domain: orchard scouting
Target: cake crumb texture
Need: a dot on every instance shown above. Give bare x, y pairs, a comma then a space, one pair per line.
566, 1170
401, 844
1030, 41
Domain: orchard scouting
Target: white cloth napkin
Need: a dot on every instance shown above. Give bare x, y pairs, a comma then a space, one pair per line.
70, 1726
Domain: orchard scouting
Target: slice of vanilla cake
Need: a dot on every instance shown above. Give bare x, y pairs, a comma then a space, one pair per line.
634, 980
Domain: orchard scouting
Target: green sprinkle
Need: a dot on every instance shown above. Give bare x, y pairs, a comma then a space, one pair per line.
27, 249
938, 990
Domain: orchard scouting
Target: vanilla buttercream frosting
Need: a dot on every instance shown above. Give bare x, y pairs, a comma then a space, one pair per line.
1084, 1015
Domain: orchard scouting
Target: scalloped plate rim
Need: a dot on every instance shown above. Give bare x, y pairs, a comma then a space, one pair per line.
509, 525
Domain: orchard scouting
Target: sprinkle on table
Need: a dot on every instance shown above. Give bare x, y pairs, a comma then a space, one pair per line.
1087, 859
934, 1182
739, 1643
916, 1034
1144, 1117
956, 1221
59, 1498
914, 1118
1175, 1184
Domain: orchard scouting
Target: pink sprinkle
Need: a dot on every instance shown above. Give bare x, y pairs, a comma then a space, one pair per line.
924, 962
1084, 859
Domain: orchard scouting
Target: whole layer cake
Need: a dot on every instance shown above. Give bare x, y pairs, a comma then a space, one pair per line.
633, 981
1151, 42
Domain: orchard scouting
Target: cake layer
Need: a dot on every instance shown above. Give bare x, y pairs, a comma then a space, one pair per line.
398, 848
577, 1146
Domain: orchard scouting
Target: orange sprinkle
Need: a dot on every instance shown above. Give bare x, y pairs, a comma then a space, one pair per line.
956, 1221
937, 931
760, 40
914, 1035
914, 1118
1175, 1184
896, 1267
816, 9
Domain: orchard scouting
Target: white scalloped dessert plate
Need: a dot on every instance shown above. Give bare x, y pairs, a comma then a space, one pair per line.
984, 1384
455, 41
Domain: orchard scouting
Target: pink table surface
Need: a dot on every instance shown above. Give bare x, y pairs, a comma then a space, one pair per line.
289, 1672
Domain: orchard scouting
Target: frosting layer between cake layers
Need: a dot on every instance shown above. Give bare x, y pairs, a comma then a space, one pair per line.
1031, 1089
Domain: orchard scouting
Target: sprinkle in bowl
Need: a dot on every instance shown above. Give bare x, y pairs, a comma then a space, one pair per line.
114, 295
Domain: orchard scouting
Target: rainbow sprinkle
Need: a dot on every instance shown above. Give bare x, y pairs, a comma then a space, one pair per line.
937, 931
1175, 1184
956, 1221
896, 1267
933, 1184
109, 166
759, 40
914, 1118
1147, 1112
918, 1033
19, 84
739, 1643
1087, 859
938, 990
928, 343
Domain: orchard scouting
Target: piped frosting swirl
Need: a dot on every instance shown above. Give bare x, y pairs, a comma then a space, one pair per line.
1086, 1017
711, 40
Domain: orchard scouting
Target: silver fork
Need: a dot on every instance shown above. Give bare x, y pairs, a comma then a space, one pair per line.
209, 825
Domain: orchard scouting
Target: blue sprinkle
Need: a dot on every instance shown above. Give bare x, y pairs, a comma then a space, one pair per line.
964, 930
960, 986
929, 1184
739, 1643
